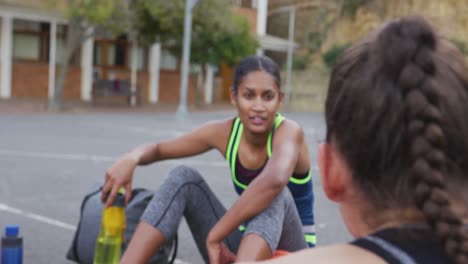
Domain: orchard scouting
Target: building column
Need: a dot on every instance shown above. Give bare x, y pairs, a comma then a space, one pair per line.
154, 67
292, 23
262, 9
133, 71
209, 84
52, 57
87, 67
6, 57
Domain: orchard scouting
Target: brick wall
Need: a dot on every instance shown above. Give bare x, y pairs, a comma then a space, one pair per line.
72, 86
31, 80
169, 85
226, 74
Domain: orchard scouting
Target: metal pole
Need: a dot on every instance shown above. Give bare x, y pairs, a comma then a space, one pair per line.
6, 39
292, 19
182, 110
52, 60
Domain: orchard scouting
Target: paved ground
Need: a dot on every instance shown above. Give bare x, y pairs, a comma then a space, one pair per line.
49, 161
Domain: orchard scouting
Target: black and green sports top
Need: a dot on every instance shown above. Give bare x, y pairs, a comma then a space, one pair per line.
300, 185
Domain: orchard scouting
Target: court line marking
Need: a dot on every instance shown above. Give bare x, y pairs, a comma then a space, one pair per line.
100, 158
37, 217
50, 221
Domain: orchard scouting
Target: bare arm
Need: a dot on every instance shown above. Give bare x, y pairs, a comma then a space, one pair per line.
264, 189
333, 254
197, 141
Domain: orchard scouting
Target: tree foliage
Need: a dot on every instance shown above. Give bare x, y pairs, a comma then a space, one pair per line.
158, 20
111, 15
461, 45
350, 7
333, 53
86, 18
218, 35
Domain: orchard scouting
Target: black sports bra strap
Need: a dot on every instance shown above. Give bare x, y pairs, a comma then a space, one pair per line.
382, 248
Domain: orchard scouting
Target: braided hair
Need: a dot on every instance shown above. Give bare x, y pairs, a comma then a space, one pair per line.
397, 110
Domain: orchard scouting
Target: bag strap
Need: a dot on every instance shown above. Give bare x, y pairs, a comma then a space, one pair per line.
75, 239
134, 193
174, 253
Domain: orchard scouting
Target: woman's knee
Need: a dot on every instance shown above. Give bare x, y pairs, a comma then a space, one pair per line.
285, 198
268, 224
183, 174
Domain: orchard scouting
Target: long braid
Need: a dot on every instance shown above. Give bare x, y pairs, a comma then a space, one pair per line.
415, 69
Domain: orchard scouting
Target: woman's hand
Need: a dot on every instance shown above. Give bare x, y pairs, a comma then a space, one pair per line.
119, 175
218, 252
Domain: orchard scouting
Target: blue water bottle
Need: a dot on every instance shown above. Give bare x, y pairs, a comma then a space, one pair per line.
12, 246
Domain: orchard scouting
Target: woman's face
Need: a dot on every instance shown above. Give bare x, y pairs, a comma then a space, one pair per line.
257, 100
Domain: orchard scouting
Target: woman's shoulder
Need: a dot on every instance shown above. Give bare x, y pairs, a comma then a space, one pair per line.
220, 124
217, 132
333, 254
290, 124
289, 127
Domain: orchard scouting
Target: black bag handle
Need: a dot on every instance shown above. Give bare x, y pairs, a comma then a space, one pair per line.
75, 239
83, 203
174, 253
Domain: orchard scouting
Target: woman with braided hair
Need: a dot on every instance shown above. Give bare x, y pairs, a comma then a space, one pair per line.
396, 152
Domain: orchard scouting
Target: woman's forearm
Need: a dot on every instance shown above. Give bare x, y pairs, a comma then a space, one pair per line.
145, 154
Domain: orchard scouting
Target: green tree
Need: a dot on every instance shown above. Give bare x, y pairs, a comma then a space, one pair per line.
158, 20
218, 35
86, 18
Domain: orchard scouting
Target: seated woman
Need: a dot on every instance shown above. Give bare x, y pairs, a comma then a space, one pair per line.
396, 152
265, 151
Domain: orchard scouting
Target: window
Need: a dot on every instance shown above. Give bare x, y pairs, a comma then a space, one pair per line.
31, 41
254, 4
28, 40
245, 3
60, 43
236, 2
168, 61
141, 58
118, 53
26, 47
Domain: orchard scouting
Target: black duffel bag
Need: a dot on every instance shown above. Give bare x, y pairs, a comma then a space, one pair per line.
84, 241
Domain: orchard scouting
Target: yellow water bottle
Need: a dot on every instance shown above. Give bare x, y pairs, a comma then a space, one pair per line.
111, 235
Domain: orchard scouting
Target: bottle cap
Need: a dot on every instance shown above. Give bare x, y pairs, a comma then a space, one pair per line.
119, 200
11, 230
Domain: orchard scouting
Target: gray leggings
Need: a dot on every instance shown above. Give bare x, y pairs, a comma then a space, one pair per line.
185, 193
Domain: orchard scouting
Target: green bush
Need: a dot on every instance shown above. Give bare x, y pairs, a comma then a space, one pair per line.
314, 41
461, 45
350, 7
300, 62
333, 53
